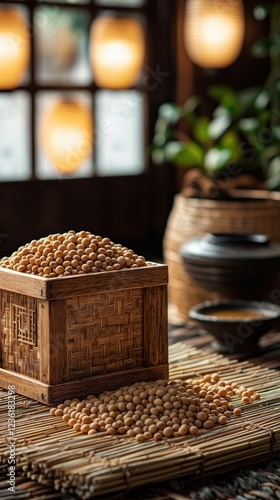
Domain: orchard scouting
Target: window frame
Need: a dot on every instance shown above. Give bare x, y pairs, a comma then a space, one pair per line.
32, 87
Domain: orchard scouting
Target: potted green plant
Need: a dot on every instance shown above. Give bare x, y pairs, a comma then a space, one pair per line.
207, 147
237, 146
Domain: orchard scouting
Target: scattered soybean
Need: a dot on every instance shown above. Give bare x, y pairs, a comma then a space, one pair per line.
160, 409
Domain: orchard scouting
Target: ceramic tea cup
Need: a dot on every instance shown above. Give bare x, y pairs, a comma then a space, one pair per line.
236, 325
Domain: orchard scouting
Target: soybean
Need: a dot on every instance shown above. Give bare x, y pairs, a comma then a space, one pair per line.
157, 410
71, 253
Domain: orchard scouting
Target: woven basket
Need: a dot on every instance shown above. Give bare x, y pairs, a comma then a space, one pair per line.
190, 218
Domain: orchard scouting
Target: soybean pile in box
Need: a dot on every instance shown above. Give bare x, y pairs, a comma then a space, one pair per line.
157, 409
71, 253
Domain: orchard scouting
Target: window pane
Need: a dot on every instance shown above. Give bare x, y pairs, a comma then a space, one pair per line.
14, 46
119, 132
64, 135
62, 46
15, 163
117, 49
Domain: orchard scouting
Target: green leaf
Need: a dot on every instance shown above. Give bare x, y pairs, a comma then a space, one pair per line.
190, 109
265, 117
191, 105
161, 126
218, 126
274, 167
273, 174
200, 130
267, 114
247, 98
273, 184
219, 92
159, 139
216, 159
220, 111
184, 154
276, 132
227, 97
231, 103
267, 154
262, 100
248, 124
170, 112
231, 141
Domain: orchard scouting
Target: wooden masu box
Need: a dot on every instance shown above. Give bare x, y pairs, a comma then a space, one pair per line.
79, 335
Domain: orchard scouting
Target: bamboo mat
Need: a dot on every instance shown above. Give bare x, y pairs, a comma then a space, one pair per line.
82, 466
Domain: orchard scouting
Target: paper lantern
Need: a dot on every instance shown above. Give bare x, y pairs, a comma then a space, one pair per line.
66, 135
116, 51
14, 47
214, 31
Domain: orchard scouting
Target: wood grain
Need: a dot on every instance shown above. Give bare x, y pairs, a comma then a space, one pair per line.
27, 386
44, 340
155, 325
26, 284
69, 286
49, 394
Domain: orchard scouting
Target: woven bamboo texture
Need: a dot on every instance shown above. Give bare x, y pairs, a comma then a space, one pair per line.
191, 218
103, 333
51, 453
19, 334
101, 330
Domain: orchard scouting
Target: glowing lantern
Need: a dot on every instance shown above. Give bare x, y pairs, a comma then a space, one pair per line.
116, 51
214, 31
14, 47
66, 135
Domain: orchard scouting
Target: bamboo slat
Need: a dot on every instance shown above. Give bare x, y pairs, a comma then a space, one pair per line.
51, 453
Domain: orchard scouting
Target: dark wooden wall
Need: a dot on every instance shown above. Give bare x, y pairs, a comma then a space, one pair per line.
129, 210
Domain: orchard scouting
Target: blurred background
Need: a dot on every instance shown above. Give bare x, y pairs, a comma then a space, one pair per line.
81, 83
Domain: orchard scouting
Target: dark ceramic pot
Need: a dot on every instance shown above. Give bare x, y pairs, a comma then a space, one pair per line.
238, 266
236, 325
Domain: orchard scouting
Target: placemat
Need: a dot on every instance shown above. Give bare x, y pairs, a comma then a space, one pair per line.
82, 466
